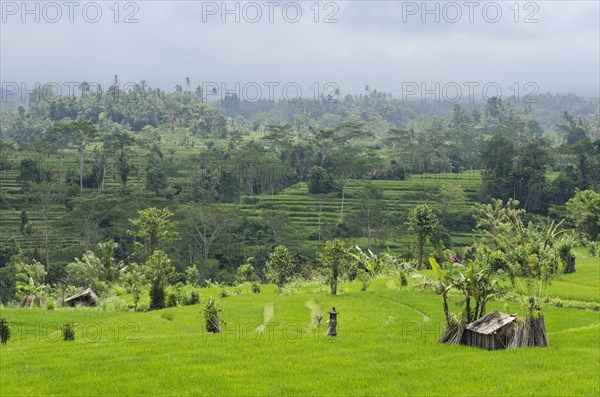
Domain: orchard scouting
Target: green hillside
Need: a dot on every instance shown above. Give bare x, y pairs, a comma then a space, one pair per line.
306, 213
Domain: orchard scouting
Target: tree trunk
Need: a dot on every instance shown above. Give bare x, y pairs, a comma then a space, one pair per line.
468, 308
570, 265
81, 153
103, 177
446, 310
482, 309
319, 219
60, 168
121, 172
342, 207
421, 249
334, 279
205, 244
47, 249
46, 242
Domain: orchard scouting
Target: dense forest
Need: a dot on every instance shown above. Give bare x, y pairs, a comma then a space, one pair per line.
82, 174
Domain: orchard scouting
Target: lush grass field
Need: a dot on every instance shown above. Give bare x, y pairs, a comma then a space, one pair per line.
385, 346
583, 285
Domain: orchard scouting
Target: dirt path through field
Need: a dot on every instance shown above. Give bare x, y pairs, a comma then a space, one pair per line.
268, 316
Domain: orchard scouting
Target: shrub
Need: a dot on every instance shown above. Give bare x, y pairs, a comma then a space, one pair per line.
143, 306
225, 276
68, 332
172, 300
187, 295
583, 305
114, 303
556, 302
157, 297
280, 266
443, 256
167, 316
192, 276
4, 330
194, 298
50, 304
320, 181
255, 287
293, 287
365, 278
334, 258
245, 271
211, 315
403, 280
225, 293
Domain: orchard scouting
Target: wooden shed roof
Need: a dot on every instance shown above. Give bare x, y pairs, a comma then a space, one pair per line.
86, 292
491, 323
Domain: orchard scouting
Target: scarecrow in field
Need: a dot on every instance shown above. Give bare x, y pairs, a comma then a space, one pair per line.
332, 323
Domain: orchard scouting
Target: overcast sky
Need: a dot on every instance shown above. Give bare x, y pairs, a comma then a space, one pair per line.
384, 44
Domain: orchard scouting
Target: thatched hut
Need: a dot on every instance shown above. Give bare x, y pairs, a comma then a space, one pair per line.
493, 331
84, 298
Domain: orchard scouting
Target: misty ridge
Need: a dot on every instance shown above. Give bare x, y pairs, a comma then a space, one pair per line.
324, 104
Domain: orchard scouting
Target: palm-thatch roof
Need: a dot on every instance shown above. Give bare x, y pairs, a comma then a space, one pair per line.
86, 297
491, 323
492, 331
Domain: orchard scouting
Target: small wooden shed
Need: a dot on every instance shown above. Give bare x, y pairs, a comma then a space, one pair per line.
493, 331
84, 298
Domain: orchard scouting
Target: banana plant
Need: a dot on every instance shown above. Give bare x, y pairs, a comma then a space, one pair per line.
368, 265
396, 268
440, 284
465, 282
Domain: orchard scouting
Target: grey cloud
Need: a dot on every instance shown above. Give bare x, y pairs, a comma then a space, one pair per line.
370, 45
